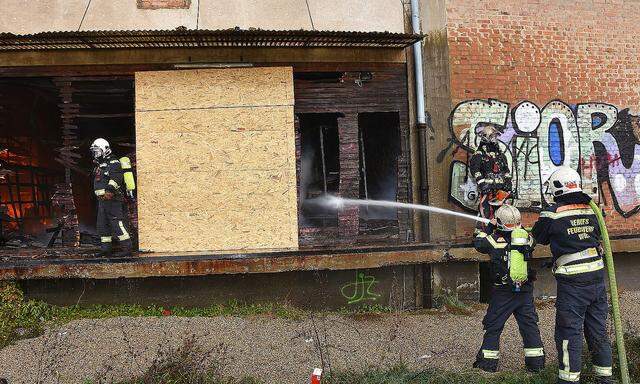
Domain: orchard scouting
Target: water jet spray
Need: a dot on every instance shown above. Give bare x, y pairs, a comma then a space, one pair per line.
339, 203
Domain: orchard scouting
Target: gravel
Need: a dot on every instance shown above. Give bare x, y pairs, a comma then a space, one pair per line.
272, 349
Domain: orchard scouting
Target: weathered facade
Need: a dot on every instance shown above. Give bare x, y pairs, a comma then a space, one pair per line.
208, 154
564, 89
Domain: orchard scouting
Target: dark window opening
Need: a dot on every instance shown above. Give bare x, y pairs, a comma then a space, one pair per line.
324, 77
34, 124
319, 167
29, 135
379, 137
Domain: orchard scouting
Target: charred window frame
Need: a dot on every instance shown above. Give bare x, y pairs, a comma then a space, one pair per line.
379, 143
319, 167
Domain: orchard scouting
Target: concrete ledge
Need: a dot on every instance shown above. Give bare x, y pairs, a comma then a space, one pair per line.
190, 264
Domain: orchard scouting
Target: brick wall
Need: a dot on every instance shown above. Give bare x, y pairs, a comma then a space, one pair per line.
559, 75
163, 4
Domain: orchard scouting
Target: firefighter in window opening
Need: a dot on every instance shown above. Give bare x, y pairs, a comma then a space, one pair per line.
490, 170
112, 180
571, 228
509, 247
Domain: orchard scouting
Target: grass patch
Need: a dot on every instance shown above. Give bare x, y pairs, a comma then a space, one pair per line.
402, 375
366, 312
632, 345
452, 304
186, 364
21, 319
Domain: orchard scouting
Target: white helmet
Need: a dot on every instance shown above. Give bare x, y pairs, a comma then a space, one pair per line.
508, 218
100, 148
564, 180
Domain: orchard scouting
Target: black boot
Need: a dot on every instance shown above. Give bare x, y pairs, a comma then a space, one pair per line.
534, 364
125, 249
487, 365
105, 250
604, 380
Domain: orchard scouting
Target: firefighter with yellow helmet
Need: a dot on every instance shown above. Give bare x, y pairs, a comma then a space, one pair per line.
112, 179
509, 247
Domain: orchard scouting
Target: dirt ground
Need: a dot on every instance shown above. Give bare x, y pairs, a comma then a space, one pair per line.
272, 349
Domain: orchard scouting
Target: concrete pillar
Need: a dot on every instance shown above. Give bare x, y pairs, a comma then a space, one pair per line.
457, 279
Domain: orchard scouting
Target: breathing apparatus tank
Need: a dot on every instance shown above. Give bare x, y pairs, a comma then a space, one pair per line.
129, 182
517, 259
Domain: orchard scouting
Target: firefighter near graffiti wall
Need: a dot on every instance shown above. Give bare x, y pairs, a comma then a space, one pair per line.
509, 247
113, 180
571, 228
490, 170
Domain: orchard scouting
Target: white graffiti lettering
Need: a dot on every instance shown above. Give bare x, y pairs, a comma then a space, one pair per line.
597, 140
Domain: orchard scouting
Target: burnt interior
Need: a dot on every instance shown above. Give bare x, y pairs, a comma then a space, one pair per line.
364, 112
379, 152
46, 127
351, 140
29, 134
320, 168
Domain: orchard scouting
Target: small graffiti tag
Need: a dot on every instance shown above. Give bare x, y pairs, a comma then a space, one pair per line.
360, 290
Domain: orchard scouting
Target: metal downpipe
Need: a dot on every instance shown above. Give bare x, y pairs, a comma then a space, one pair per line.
420, 109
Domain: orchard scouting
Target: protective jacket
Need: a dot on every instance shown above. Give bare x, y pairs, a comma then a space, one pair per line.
571, 228
490, 169
111, 220
109, 176
497, 244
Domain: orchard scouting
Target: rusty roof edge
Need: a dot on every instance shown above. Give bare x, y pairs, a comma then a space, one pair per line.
63, 39
236, 31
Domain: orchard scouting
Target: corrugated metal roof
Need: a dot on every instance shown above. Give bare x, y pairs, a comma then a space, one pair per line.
183, 38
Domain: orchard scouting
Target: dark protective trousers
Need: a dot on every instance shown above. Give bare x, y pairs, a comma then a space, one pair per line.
581, 308
111, 221
504, 302
485, 210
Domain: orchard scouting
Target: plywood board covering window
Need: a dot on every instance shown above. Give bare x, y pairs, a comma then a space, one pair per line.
216, 159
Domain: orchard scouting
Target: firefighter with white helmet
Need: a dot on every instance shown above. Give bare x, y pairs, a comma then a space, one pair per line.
571, 228
109, 184
509, 247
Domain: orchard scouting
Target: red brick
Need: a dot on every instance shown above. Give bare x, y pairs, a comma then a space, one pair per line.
164, 4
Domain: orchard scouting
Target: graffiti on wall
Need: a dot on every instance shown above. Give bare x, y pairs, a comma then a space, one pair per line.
360, 290
599, 141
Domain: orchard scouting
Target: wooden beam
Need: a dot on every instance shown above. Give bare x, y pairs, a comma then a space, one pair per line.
198, 264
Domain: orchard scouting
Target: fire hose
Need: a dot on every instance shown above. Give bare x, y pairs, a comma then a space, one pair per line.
613, 291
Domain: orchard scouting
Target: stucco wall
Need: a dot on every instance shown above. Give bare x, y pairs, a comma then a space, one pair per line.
31, 16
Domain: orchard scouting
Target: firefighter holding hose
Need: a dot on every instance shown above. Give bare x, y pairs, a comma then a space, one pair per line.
112, 180
509, 247
572, 229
